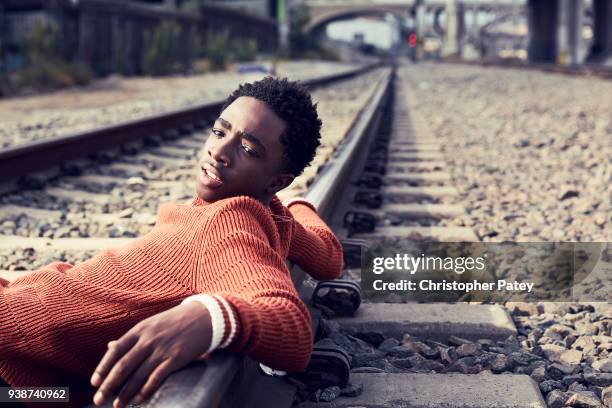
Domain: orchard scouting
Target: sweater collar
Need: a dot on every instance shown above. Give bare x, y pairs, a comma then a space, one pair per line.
197, 201
276, 206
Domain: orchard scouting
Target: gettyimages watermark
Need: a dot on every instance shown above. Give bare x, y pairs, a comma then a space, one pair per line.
487, 272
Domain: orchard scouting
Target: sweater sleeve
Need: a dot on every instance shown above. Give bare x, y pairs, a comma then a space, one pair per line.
262, 315
314, 246
57, 267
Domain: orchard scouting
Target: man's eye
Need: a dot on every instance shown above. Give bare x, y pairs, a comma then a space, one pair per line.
250, 151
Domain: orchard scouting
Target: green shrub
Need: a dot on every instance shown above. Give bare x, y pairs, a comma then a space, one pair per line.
161, 50
6, 87
298, 19
52, 74
5, 84
167, 52
41, 43
216, 50
44, 69
244, 50
43, 75
80, 73
191, 49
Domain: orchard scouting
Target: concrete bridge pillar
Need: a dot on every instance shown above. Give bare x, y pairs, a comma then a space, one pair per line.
601, 46
574, 39
319, 35
569, 33
452, 29
542, 16
461, 23
397, 42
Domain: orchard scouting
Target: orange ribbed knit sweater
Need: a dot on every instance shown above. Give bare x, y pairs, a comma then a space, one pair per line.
55, 322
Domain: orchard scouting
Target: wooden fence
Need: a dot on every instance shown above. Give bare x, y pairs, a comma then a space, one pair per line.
109, 35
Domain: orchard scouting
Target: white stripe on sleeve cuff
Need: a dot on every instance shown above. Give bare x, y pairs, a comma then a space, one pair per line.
232, 321
216, 317
216, 305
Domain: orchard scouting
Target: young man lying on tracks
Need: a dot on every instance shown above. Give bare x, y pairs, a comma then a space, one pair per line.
210, 275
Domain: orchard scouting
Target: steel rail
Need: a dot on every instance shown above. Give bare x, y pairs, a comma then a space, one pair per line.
227, 378
21, 160
327, 185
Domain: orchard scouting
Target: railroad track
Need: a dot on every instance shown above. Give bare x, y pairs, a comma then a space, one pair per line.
573, 70
402, 354
400, 351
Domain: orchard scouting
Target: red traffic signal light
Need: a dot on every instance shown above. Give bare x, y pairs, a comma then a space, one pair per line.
412, 39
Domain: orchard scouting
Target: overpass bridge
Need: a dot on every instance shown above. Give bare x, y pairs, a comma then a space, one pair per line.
554, 26
324, 12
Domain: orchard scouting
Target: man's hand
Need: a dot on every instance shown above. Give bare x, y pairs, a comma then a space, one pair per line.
144, 356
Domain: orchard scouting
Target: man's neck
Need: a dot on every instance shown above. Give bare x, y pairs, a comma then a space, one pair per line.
265, 200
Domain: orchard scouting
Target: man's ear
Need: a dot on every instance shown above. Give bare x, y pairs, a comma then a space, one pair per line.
281, 181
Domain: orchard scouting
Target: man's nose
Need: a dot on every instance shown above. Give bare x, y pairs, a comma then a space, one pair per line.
219, 151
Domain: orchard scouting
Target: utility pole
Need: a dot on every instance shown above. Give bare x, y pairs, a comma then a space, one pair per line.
419, 28
283, 25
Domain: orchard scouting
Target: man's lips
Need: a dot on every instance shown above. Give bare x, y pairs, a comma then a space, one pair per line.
210, 176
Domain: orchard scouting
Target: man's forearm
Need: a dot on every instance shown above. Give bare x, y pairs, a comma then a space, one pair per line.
314, 246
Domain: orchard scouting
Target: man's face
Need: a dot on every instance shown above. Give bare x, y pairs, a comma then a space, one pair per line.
243, 154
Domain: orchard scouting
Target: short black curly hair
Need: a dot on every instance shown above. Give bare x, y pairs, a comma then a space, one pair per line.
293, 104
